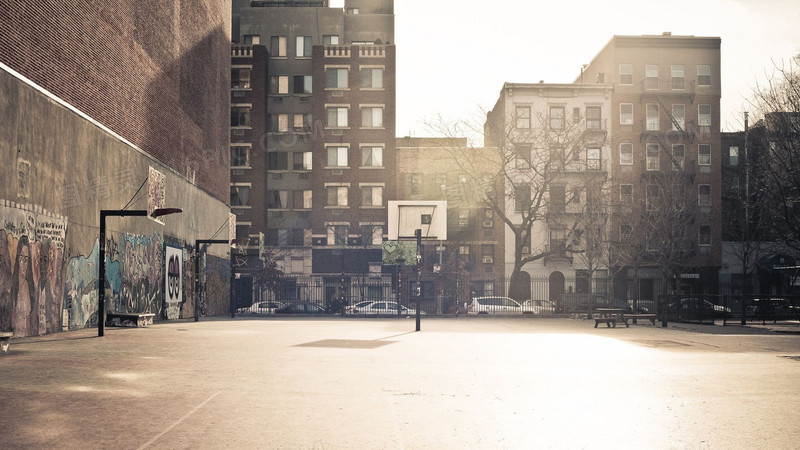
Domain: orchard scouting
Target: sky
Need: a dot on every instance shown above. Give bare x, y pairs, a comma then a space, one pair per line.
453, 56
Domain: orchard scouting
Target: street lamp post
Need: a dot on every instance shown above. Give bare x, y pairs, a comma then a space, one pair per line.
101, 276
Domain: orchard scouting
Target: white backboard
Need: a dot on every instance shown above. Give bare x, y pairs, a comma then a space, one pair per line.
407, 216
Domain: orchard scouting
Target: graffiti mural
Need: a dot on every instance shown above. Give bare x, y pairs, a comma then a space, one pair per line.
31, 263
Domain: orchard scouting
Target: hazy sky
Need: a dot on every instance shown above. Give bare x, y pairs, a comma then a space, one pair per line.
454, 55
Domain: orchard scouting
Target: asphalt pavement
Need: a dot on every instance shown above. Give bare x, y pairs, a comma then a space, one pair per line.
461, 382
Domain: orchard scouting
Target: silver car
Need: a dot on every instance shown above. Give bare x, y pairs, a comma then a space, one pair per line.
498, 305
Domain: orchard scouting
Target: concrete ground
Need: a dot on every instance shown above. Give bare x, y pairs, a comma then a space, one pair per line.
466, 382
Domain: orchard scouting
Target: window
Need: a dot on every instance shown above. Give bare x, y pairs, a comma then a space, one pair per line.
522, 116
704, 235
337, 195
279, 123
652, 117
337, 117
297, 238
372, 117
240, 78
240, 116
252, 39
240, 195
337, 234
277, 199
592, 159
302, 199
704, 155
558, 241
277, 161
303, 49
330, 39
463, 249
679, 114
626, 74
372, 234
626, 154
678, 156
733, 156
371, 195
593, 118
243, 231
558, 198
301, 122
652, 197
372, 78
336, 78
704, 75
522, 197
303, 84
652, 157
463, 218
556, 117
337, 157
351, 10
626, 194
704, 195
277, 46
301, 160
240, 156
279, 84
372, 156
704, 115
522, 156
576, 115
651, 77
626, 113
625, 230
677, 77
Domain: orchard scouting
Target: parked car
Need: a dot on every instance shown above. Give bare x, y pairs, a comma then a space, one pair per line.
262, 308
695, 308
302, 308
773, 308
498, 305
381, 307
579, 303
541, 306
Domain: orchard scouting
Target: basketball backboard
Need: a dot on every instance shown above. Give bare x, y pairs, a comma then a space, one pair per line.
407, 216
156, 193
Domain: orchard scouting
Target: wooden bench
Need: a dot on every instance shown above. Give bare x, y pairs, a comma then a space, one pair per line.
609, 321
129, 319
635, 317
609, 316
5, 336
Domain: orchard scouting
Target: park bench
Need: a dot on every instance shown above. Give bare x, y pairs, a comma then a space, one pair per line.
5, 336
609, 316
635, 317
129, 319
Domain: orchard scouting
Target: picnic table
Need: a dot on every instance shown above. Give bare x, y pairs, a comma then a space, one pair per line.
609, 316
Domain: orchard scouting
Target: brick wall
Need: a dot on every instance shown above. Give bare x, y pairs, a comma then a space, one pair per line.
157, 72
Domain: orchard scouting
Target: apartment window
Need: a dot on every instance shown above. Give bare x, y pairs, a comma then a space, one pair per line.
336, 78
677, 77
240, 195
240, 156
337, 157
351, 10
301, 160
301, 122
278, 123
626, 194
337, 117
372, 78
651, 201
704, 115
303, 49
337, 234
372, 156
337, 195
243, 231
240, 78
704, 75
463, 218
678, 156
372, 117
277, 46
303, 84
651, 77
277, 161
704, 195
733, 156
704, 155
252, 39
679, 114
626, 154
330, 39
522, 116
626, 74
652, 117
463, 249
625, 231
576, 115
302, 199
593, 119
652, 156
522, 156
626, 113
297, 238
704, 235
522, 197
558, 241
372, 195
558, 198
593, 159
556, 117
277, 199
279, 84
240, 116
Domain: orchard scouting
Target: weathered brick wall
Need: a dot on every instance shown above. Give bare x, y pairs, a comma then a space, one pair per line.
154, 71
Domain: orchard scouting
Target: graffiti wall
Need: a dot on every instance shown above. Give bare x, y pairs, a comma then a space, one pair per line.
31, 262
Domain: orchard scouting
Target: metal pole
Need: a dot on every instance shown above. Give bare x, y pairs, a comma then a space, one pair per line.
746, 218
418, 232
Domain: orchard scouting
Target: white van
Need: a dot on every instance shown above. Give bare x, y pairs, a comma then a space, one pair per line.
498, 305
